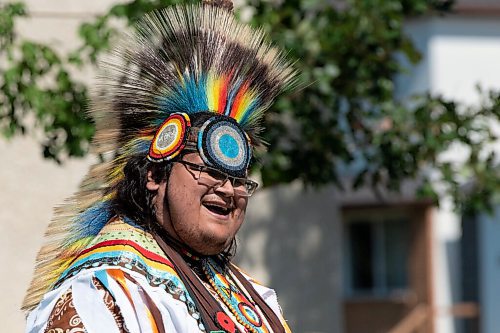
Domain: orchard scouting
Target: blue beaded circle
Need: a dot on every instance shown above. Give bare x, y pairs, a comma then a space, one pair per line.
223, 144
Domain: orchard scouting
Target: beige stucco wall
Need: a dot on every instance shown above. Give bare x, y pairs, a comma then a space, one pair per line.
30, 185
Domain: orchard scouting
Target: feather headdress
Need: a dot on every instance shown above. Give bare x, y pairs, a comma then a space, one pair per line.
178, 62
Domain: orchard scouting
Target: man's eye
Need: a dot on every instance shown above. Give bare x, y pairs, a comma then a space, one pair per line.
239, 182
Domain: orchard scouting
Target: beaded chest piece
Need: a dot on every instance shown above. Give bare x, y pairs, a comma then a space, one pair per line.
231, 294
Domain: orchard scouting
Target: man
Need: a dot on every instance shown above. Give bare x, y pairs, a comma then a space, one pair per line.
146, 244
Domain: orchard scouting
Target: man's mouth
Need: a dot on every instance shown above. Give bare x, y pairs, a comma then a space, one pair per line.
218, 208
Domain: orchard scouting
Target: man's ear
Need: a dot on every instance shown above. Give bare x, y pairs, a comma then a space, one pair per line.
151, 184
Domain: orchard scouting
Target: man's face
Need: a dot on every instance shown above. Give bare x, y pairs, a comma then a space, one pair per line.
205, 219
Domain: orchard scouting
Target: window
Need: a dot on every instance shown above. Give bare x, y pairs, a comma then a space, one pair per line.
376, 249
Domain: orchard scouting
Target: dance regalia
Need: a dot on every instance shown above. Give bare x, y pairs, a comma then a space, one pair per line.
124, 282
101, 273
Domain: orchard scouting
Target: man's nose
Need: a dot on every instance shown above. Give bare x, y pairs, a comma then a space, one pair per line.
226, 188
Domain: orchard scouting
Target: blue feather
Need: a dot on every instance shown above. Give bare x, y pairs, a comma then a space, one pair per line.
141, 147
249, 111
189, 97
90, 222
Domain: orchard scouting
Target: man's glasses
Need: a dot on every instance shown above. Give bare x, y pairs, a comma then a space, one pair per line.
214, 178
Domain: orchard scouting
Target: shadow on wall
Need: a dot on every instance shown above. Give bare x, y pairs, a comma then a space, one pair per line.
291, 240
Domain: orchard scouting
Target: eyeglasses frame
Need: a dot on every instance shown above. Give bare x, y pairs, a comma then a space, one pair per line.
232, 179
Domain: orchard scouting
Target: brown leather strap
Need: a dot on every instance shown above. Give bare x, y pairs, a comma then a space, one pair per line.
205, 303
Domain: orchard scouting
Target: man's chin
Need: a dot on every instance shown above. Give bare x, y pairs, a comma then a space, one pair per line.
214, 246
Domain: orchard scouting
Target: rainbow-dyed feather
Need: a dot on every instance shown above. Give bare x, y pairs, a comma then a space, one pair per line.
188, 59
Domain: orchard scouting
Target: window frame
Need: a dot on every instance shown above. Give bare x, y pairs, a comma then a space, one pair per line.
376, 216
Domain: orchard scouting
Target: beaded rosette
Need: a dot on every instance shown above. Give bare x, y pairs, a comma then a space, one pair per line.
220, 141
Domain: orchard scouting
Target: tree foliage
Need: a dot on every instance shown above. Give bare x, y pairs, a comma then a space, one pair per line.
344, 127
36, 85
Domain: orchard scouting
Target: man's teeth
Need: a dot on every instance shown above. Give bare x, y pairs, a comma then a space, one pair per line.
218, 209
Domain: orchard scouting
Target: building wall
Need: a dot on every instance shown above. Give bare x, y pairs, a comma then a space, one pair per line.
292, 241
